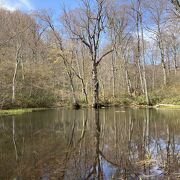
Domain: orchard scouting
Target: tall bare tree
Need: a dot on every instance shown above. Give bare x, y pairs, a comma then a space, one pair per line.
158, 16
47, 18
88, 26
143, 51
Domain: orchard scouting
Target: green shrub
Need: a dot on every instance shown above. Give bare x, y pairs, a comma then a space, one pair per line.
155, 99
140, 100
171, 100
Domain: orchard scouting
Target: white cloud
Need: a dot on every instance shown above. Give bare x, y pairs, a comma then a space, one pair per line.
12, 5
26, 3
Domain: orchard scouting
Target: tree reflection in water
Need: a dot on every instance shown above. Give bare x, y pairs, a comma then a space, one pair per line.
110, 143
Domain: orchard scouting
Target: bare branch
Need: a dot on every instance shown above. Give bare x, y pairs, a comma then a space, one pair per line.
104, 55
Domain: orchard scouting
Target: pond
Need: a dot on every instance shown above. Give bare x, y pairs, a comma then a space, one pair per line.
113, 143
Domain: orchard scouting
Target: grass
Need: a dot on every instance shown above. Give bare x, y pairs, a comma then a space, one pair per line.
168, 106
11, 112
158, 101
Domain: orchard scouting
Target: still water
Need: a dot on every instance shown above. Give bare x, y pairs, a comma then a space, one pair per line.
114, 143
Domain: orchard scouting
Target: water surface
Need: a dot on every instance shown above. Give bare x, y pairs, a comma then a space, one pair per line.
114, 143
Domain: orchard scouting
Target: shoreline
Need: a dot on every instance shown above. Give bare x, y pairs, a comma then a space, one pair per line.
20, 111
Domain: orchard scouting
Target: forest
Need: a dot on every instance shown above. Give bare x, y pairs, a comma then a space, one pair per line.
101, 53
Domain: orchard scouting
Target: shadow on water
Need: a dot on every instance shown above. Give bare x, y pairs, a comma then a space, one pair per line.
114, 143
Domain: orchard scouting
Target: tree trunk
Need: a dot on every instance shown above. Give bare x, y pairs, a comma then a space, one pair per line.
163, 66
139, 54
168, 60
128, 82
113, 72
72, 90
13, 84
143, 67
22, 69
95, 81
175, 59
103, 90
74, 100
154, 75
14, 76
161, 47
84, 90
81, 77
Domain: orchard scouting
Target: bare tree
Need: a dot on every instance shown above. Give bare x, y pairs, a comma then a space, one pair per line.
157, 11
17, 60
143, 51
45, 17
120, 33
88, 26
79, 70
19, 42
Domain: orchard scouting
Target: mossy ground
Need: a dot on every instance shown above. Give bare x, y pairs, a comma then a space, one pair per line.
10, 112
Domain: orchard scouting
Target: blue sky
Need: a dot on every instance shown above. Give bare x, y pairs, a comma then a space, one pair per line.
28, 5
52, 5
